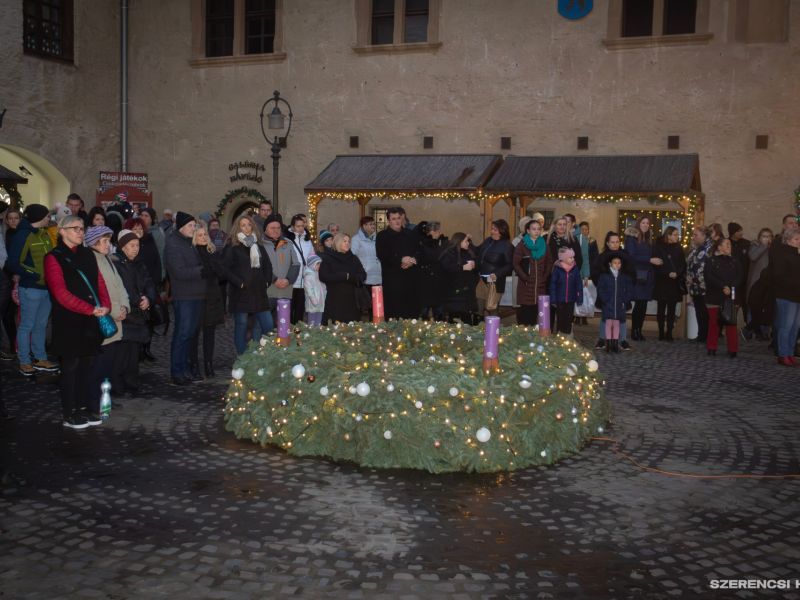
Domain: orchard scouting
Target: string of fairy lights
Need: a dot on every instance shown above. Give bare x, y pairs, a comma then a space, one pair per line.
373, 385
691, 203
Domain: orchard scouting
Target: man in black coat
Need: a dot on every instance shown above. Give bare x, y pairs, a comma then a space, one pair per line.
399, 251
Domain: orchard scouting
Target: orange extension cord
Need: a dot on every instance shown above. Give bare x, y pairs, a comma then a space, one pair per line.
637, 464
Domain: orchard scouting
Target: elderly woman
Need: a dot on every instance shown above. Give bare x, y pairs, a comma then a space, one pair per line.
341, 272
249, 272
79, 296
107, 364
141, 295
785, 268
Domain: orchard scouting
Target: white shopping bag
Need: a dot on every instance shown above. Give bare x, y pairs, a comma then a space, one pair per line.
589, 298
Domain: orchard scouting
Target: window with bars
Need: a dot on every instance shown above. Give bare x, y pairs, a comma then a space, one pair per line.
259, 19
219, 27
48, 28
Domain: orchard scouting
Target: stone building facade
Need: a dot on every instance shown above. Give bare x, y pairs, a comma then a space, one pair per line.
477, 71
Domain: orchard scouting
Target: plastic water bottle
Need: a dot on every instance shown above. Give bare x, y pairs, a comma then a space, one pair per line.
105, 399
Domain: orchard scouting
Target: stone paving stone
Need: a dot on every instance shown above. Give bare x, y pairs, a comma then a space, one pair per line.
161, 498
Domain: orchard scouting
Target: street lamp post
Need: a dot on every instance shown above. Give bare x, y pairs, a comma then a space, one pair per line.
276, 121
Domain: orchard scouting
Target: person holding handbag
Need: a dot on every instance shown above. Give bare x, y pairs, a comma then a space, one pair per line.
722, 276
458, 264
495, 256
532, 264
80, 297
670, 285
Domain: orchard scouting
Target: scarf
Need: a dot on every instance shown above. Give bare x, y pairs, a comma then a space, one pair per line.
249, 241
566, 267
585, 254
537, 248
614, 272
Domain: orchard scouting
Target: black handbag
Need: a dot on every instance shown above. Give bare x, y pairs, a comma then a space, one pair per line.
727, 312
159, 316
363, 298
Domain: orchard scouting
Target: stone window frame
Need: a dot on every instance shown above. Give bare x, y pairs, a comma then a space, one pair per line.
199, 58
67, 32
615, 41
363, 45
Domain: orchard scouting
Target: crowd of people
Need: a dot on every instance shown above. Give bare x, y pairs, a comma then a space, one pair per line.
105, 278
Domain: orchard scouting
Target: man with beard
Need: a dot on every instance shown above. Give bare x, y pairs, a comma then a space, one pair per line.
399, 251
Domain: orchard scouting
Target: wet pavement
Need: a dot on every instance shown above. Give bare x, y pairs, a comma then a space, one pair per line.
161, 502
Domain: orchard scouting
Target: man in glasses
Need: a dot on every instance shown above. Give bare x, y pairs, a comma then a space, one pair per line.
26, 261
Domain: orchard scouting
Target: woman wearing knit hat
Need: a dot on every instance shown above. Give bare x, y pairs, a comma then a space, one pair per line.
107, 364
141, 294
566, 288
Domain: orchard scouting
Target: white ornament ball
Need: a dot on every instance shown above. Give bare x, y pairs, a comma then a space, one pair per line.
574, 419
359, 418
431, 389
324, 390
543, 453
362, 389
418, 404
454, 391
387, 435
452, 336
600, 430
525, 383
540, 348
413, 321
574, 411
483, 435
571, 372
592, 366
352, 389
298, 371
390, 388
260, 372
237, 373
269, 430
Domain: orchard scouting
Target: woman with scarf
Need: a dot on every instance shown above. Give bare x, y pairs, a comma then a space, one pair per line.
695, 279
532, 264
341, 272
249, 275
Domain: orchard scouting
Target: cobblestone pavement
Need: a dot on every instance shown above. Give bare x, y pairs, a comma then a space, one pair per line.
161, 502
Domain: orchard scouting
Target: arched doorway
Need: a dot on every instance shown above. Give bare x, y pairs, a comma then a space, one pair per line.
46, 184
245, 208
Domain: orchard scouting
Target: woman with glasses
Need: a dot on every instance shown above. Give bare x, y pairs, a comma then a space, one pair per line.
76, 334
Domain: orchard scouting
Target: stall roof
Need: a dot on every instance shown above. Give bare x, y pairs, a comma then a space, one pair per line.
9, 176
406, 173
664, 173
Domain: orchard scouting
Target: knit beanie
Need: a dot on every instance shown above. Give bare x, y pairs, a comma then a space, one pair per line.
125, 236
324, 236
523, 223
182, 219
733, 228
565, 252
312, 260
538, 217
95, 233
35, 212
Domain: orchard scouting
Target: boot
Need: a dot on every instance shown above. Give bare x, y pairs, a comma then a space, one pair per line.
616, 346
608, 345
668, 337
635, 334
661, 336
210, 369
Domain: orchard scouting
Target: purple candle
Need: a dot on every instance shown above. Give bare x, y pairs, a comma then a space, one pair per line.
491, 343
284, 320
544, 315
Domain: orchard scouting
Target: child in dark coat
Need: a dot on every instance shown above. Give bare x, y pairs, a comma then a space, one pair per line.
566, 288
615, 289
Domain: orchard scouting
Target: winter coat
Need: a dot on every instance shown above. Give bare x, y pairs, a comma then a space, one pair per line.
341, 272
116, 291
591, 255
364, 248
615, 293
555, 243
759, 260
740, 250
460, 284
600, 265
785, 273
136, 279
433, 285
495, 257
247, 289
26, 254
695, 268
285, 265
315, 290
183, 267
721, 271
214, 271
566, 286
667, 289
532, 275
303, 249
400, 286
150, 257
640, 253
